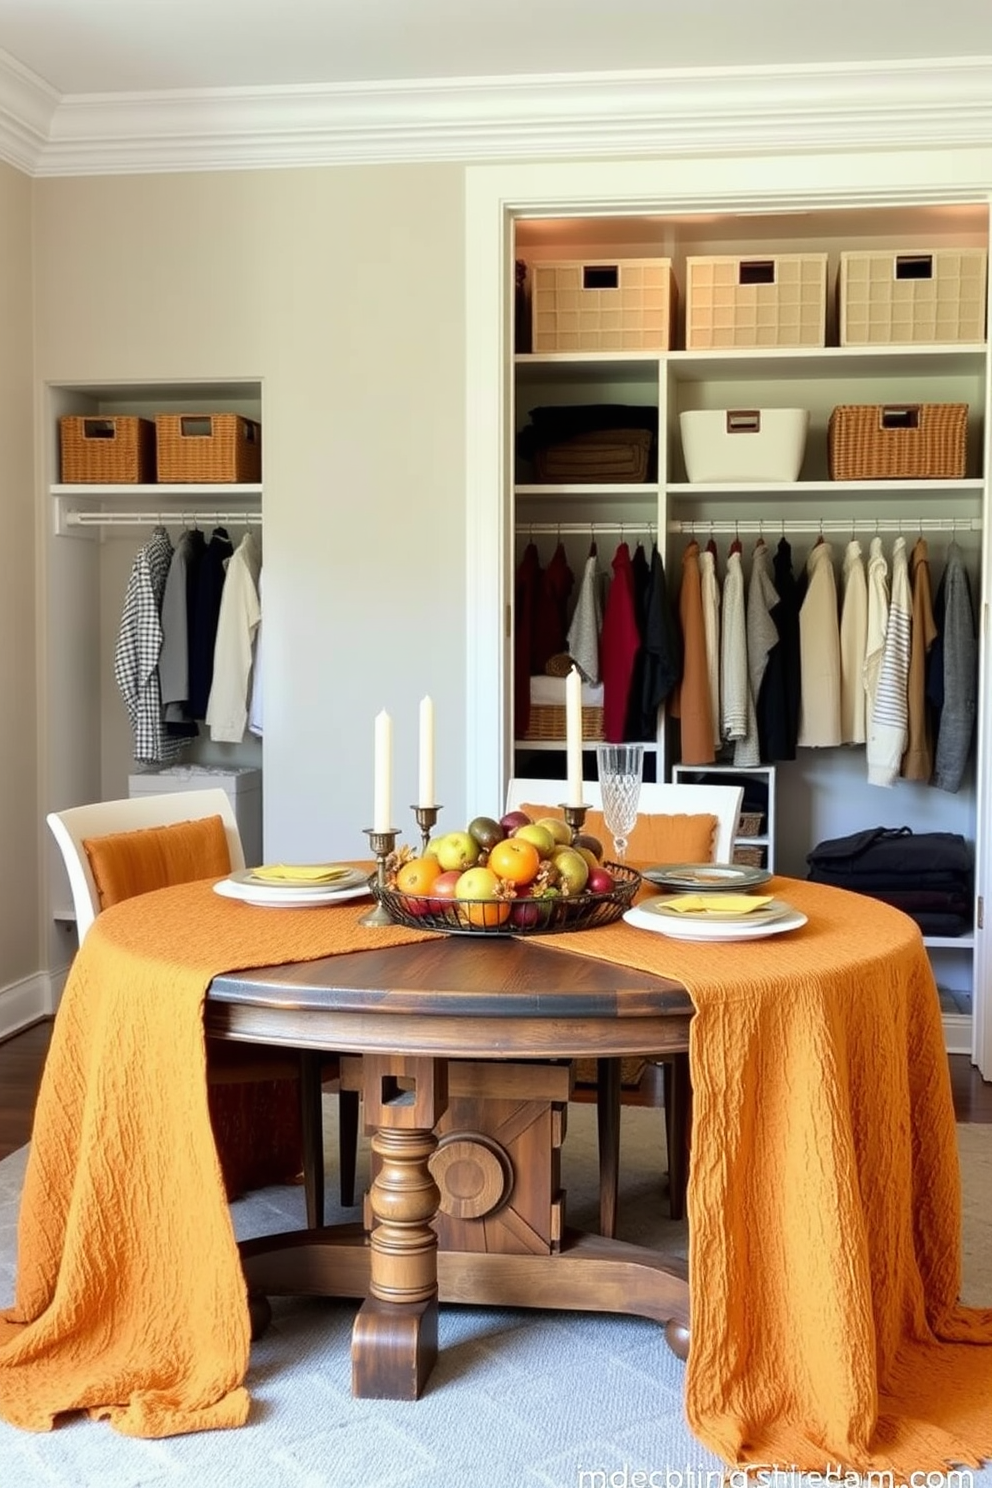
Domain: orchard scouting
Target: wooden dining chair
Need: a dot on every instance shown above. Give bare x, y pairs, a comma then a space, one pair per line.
676, 823
114, 849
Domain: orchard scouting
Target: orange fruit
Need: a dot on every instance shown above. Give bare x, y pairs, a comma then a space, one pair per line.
514, 859
484, 914
417, 875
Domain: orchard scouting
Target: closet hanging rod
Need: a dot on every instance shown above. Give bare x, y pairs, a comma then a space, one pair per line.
161, 519
582, 529
866, 526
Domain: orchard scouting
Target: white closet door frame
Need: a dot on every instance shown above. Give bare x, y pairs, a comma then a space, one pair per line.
495, 196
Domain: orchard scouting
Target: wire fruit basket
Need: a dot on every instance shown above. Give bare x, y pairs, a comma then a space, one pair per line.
520, 916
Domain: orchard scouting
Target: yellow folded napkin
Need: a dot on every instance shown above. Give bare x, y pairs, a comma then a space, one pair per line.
724, 904
305, 873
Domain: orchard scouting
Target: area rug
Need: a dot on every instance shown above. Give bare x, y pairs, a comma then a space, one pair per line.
519, 1399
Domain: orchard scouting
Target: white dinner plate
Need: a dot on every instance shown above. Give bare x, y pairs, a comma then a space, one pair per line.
706, 878
267, 896
666, 905
677, 927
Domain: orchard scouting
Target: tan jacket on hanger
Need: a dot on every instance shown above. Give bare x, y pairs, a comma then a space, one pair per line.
691, 698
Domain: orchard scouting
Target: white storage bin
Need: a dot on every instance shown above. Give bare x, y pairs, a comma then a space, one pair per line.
744, 444
243, 786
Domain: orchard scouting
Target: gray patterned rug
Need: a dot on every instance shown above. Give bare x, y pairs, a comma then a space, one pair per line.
518, 1399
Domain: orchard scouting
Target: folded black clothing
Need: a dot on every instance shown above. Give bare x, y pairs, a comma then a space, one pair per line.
893, 850
912, 903
551, 425
870, 883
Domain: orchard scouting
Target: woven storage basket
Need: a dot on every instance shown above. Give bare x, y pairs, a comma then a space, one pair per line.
921, 296
751, 857
116, 450
779, 300
914, 441
209, 447
547, 722
599, 455
749, 824
603, 305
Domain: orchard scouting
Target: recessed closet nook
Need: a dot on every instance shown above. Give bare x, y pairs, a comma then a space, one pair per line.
94, 534
812, 792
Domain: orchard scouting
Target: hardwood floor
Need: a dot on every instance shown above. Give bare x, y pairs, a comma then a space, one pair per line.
23, 1055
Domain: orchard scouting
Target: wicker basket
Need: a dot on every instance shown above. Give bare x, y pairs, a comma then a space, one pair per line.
749, 823
753, 857
117, 450
603, 305
921, 296
773, 301
599, 455
208, 447
547, 722
914, 441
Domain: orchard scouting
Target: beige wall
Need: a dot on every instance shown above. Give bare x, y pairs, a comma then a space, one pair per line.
342, 291
19, 832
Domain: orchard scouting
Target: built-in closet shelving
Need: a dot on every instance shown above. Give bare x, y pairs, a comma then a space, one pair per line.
823, 793
93, 534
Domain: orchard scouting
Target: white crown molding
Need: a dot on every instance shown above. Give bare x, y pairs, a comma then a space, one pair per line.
907, 105
27, 108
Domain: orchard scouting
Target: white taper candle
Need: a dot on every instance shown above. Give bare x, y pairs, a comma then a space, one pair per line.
426, 789
382, 797
573, 736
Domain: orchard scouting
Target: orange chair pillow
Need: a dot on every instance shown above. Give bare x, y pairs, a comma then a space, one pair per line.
127, 863
656, 838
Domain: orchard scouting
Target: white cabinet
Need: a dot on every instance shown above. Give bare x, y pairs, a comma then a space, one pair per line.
756, 844
822, 792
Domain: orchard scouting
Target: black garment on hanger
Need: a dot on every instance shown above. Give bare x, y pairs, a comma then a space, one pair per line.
206, 612
661, 652
777, 703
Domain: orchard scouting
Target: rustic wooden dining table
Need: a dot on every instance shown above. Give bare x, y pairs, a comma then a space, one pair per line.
462, 1052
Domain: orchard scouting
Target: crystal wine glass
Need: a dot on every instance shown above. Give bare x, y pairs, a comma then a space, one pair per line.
621, 768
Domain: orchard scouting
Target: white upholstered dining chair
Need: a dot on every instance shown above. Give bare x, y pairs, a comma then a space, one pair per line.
228, 1064
657, 799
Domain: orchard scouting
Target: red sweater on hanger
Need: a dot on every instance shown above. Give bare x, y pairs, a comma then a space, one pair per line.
619, 644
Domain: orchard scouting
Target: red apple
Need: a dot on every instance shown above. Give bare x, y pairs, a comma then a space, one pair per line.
513, 819
599, 881
442, 892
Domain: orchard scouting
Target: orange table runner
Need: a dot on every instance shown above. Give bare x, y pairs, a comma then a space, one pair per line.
130, 1301
824, 1195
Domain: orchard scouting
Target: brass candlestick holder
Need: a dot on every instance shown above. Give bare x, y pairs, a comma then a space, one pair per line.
383, 844
426, 817
574, 817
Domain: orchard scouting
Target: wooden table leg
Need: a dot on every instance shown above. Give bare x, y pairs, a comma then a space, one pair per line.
394, 1339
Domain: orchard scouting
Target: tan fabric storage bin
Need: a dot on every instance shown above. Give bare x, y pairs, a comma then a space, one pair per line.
923, 296
777, 300
898, 441
209, 447
622, 304
119, 449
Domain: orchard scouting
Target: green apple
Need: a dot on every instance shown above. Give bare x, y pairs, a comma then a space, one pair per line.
539, 836
573, 870
477, 883
456, 850
558, 827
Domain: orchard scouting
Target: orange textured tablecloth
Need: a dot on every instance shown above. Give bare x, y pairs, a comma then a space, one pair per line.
824, 1196
130, 1301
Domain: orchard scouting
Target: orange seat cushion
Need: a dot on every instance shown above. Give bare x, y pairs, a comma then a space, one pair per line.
127, 863
656, 838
